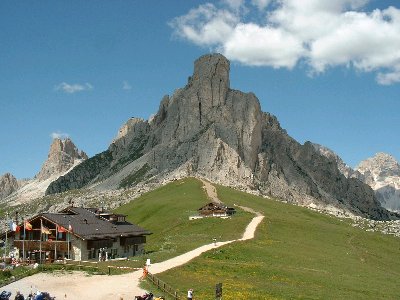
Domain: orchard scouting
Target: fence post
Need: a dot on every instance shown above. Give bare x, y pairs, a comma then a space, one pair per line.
109, 270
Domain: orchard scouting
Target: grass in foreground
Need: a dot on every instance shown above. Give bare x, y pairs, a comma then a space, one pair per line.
297, 254
166, 211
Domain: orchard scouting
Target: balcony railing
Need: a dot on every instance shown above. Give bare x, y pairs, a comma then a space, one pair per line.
31, 245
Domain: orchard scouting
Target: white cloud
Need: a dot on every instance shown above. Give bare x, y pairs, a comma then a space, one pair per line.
73, 88
322, 34
252, 44
388, 78
206, 25
59, 135
126, 86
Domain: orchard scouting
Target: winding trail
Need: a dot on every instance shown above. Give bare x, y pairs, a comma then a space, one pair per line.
78, 285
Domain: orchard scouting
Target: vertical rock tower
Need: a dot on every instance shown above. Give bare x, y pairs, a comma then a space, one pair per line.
62, 156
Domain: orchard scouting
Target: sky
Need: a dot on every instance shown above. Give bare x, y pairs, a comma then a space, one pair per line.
329, 70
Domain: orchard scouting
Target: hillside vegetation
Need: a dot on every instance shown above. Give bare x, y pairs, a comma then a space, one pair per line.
297, 253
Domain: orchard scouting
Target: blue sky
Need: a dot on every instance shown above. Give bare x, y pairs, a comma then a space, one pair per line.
83, 68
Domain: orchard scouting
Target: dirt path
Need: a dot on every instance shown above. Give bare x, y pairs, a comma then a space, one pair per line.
186, 257
211, 191
79, 285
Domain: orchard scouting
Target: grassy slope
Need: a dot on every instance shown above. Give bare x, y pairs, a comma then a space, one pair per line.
166, 211
297, 254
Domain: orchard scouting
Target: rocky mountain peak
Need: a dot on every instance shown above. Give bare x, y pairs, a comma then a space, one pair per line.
62, 156
209, 130
382, 173
212, 68
8, 184
379, 167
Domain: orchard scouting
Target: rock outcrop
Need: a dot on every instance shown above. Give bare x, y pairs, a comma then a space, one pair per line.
8, 185
208, 129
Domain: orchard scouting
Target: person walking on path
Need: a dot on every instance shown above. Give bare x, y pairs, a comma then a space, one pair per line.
145, 272
190, 295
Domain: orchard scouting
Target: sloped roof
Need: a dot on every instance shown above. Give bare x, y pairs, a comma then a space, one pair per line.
213, 206
86, 225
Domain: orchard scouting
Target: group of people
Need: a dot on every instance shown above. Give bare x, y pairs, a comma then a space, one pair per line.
32, 296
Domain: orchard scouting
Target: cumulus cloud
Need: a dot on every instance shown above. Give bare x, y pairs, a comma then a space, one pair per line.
206, 25
252, 44
322, 34
73, 88
126, 85
59, 135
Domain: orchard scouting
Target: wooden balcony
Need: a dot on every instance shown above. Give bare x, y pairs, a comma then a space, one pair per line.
32, 245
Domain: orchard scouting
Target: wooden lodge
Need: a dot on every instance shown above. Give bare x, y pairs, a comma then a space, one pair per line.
77, 234
214, 209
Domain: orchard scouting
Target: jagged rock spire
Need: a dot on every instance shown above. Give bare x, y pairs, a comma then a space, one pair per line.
62, 156
8, 184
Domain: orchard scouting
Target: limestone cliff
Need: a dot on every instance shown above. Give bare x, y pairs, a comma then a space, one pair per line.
208, 129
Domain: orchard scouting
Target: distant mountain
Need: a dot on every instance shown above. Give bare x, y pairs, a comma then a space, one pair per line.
8, 185
209, 130
382, 173
63, 156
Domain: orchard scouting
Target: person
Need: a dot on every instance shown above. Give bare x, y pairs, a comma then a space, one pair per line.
19, 296
190, 294
103, 255
145, 271
39, 296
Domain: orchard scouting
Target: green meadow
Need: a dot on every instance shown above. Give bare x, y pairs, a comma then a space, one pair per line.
296, 254
165, 212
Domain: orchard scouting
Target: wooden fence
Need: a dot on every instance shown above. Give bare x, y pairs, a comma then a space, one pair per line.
163, 286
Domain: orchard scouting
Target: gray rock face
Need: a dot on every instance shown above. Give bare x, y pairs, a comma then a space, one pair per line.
8, 185
62, 156
346, 170
207, 129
